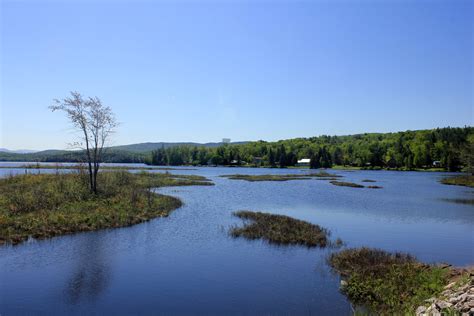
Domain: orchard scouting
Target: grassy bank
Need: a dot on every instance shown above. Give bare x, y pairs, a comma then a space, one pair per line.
387, 283
282, 177
47, 205
464, 180
280, 229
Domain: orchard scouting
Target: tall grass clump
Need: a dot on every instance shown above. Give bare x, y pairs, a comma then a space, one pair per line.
346, 184
464, 180
280, 229
387, 283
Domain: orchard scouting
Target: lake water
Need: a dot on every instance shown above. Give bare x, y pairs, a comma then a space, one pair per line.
187, 263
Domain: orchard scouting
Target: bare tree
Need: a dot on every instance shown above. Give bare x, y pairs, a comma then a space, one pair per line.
95, 122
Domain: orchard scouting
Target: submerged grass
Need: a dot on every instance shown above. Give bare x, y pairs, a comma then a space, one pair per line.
266, 177
281, 177
460, 201
347, 184
387, 283
47, 205
280, 229
464, 180
374, 187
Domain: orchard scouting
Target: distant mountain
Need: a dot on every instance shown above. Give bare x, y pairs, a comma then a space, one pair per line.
19, 151
145, 147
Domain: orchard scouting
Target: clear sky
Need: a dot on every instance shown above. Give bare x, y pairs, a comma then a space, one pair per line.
247, 70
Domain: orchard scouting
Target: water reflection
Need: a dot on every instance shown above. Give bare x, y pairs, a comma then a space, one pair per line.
91, 272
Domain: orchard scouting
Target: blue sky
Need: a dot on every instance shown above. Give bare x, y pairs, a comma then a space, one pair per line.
247, 70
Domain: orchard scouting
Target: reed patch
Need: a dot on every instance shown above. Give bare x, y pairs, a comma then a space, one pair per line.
280, 229
387, 283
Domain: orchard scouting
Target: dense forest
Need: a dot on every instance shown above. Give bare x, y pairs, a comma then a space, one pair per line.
111, 155
447, 148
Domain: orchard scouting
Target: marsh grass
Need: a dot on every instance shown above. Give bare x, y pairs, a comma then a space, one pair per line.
387, 283
460, 201
347, 184
47, 205
282, 177
266, 177
464, 180
324, 174
374, 187
280, 229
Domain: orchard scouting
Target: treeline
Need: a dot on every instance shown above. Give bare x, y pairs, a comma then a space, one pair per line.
110, 155
448, 148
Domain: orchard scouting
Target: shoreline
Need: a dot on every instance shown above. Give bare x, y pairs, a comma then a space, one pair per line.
122, 166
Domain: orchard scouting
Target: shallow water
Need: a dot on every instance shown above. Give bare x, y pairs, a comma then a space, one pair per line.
187, 263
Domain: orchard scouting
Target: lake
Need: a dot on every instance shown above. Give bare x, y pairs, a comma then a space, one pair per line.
187, 263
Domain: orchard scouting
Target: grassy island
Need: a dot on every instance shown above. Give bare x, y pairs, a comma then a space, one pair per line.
282, 177
47, 205
347, 184
354, 185
280, 229
374, 187
465, 180
387, 283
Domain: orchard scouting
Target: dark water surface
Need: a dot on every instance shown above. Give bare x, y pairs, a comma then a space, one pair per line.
187, 264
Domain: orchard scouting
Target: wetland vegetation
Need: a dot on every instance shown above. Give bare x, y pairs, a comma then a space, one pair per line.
280, 229
387, 283
346, 184
282, 177
463, 180
46, 205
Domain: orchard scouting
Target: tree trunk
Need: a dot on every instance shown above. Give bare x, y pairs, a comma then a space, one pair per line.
91, 177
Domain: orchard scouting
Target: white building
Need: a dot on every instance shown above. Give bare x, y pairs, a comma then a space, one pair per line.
303, 162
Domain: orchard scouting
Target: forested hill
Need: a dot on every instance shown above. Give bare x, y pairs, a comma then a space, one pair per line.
134, 153
448, 148
147, 147
111, 155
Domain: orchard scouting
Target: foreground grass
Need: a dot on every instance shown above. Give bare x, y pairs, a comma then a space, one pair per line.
465, 180
280, 229
48, 205
281, 177
387, 283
